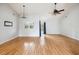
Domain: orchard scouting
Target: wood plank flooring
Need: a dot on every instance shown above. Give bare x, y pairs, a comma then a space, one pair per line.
50, 45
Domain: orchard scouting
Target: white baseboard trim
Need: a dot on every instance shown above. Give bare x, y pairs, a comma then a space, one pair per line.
8, 39
28, 36
73, 37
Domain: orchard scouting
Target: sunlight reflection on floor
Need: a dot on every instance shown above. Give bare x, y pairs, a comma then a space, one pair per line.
42, 40
29, 46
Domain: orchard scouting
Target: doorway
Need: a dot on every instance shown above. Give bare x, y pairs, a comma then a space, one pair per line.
42, 28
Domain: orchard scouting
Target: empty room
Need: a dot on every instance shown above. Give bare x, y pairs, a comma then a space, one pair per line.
39, 28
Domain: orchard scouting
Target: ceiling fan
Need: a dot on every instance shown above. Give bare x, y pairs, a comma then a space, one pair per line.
23, 12
56, 11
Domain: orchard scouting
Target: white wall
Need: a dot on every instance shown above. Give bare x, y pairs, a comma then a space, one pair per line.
70, 24
6, 14
52, 25
29, 32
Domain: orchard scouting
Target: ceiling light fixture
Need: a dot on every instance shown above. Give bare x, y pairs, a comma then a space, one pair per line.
24, 13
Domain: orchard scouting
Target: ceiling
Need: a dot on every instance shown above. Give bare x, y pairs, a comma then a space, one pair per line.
38, 8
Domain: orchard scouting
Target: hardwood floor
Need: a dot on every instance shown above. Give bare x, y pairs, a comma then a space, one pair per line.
50, 45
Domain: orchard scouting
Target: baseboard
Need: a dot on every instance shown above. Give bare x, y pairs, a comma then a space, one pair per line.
8, 39
52, 34
28, 36
73, 37
65, 36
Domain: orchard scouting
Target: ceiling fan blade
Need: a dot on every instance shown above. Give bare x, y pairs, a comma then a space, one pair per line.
61, 10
